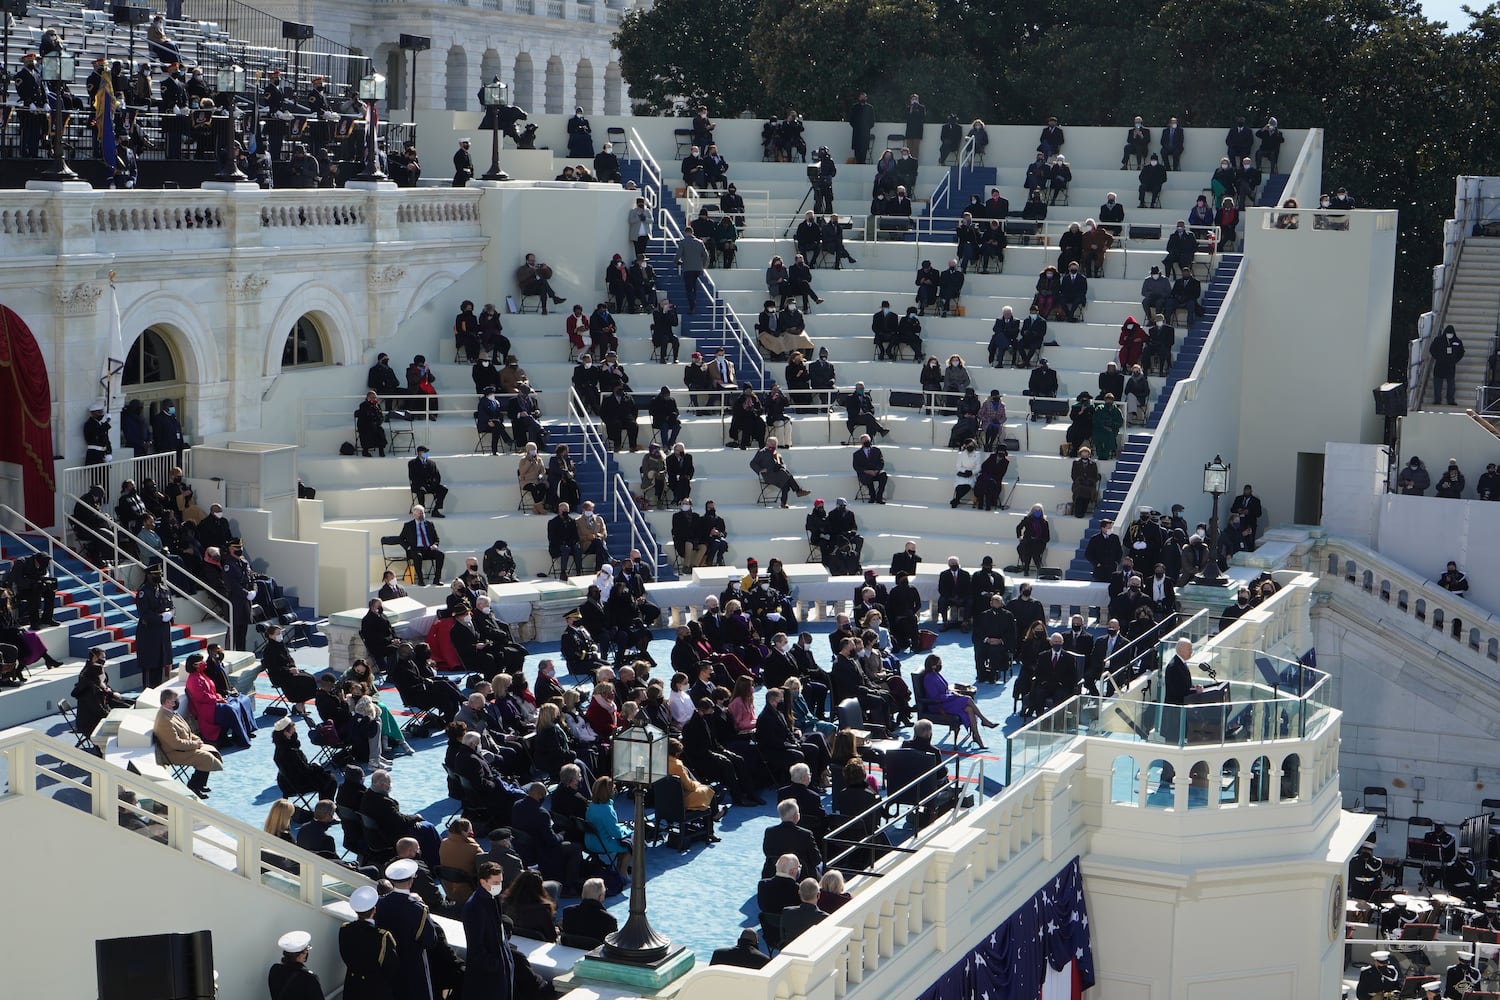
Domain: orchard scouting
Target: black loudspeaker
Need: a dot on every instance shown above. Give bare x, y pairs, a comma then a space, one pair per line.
156, 967
129, 15
292, 31
415, 43
15, 8
1390, 399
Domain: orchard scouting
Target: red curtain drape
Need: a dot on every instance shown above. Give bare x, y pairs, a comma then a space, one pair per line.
26, 415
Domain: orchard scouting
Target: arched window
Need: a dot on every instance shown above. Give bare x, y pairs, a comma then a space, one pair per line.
304, 345
583, 86
553, 95
613, 89
1229, 784
395, 78
1200, 781
1160, 790
1260, 780
149, 361
1291, 777
1124, 781
457, 83
524, 96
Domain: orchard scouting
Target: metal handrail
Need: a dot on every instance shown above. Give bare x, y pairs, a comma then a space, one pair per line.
650, 172
122, 557
77, 479
641, 535
727, 324
53, 546
1145, 643
593, 442
940, 191
968, 776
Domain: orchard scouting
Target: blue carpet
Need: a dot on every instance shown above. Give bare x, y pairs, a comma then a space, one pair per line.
700, 898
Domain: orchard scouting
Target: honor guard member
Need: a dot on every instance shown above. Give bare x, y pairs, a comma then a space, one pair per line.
275, 100
290, 978
97, 448
1462, 977
239, 580
1378, 978
1364, 872
404, 914
32, 92
317, 104
153, 629
578, 647
1432, 990
371, 969
174, 95
1490, 919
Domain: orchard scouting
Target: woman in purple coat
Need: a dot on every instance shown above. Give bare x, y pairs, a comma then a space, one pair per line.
936, 691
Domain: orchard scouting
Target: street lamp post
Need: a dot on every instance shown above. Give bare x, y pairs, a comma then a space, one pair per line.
494, 99
371, 90
58, 68
639, 759
1216, 483
231, 83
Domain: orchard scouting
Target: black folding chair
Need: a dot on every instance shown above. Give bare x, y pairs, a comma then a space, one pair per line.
679, 825
81, 740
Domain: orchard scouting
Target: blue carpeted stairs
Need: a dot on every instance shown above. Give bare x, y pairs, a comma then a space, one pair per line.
1133, 451
977, 180
89, 620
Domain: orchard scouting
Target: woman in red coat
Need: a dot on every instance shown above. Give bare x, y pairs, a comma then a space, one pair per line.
205, 699
602, 715
1133, 339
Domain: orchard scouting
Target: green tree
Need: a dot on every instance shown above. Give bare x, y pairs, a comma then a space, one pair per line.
680, 53
818, 55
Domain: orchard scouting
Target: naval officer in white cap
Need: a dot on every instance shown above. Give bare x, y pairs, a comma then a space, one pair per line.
290, 978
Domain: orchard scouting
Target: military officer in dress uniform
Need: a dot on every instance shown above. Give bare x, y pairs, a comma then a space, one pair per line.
404, 914
317, 104
1378, 978
1461, 977
290, 978
372, 970
153, 628
174, 95
275, 100
1364, 873
1458, 878
1432, 990
97, 449
32, 92
239, 582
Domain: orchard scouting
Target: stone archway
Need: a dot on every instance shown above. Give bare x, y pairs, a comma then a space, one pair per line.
26, 408
614, 90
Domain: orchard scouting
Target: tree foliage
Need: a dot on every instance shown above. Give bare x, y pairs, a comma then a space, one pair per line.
1405, 105
680, 53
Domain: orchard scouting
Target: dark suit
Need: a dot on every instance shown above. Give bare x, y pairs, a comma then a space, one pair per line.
465, 641
744, 958
869, 469
809, 802
796, 919
788, 838
953, 594
425, 478
774, 894
588, 919
422, 546
849, 682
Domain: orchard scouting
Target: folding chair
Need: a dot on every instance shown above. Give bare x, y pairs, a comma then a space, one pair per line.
616, 135
684, 139
297, 630
81, 740
861, 491
179, 771
400, 439
389, 542
378, 847
674, 820
521, 297
770, 495
1376, 802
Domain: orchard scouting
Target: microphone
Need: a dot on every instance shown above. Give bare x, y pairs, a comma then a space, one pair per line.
1208, 670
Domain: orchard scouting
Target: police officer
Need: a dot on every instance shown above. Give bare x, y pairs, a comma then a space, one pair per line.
1377, 978
1364, 872
291, 979
371, 969
153, 629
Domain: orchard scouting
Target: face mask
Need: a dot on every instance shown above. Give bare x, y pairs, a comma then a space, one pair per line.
685, 507
465, 620
495, 890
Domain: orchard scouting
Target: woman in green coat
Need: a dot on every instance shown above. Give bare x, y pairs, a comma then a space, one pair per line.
1107, 423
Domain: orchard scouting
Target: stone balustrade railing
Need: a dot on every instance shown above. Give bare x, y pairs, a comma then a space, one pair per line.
49, 223
1453, 624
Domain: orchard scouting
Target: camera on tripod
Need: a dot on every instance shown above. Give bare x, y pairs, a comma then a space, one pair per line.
813, 174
